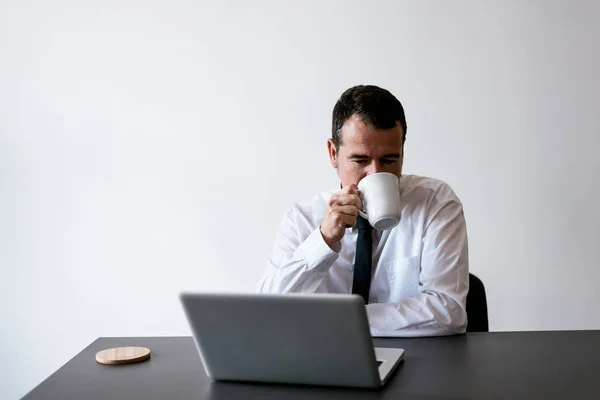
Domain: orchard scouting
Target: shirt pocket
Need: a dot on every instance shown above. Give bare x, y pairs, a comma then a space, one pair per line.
403, 277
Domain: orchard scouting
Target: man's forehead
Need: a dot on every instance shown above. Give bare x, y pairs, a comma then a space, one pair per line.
370, 137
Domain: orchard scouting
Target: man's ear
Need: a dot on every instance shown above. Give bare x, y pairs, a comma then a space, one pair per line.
333, 154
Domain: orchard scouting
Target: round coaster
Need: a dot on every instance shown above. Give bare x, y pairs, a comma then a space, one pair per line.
123, 355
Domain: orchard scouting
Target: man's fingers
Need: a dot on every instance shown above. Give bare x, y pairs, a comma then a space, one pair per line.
348, 221
350, 189
348, 195
349, 199
344, 216
333, 201
347, 210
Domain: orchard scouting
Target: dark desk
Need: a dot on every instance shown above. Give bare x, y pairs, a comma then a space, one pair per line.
519, 365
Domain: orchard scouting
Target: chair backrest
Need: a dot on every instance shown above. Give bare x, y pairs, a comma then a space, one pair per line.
477, 312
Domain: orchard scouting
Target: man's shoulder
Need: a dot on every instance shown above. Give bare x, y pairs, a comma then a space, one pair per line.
317, 199
312, 207
421, 187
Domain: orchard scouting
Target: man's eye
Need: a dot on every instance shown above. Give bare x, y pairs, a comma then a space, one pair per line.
388, 162
361, 162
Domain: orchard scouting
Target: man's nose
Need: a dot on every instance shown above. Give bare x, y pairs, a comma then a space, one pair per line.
374, 167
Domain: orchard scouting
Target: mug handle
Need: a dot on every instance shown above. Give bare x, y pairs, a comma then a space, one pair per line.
360, 212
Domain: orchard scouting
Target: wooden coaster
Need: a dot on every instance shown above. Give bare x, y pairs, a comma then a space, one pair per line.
123, 355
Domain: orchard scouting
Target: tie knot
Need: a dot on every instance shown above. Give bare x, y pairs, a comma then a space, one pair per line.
362, 224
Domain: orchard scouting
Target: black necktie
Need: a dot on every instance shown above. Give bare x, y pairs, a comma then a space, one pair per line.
362, 262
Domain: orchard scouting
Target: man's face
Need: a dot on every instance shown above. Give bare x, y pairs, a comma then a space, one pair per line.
366, 150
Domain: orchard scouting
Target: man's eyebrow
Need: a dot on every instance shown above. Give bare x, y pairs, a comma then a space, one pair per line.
358, 155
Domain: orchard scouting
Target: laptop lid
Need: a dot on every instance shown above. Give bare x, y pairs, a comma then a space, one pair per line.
320, 339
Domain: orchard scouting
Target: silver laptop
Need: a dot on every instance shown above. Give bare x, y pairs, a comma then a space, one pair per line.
317, 339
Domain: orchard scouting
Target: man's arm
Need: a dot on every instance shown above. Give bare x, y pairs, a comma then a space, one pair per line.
302, 254
439, 307
300, 258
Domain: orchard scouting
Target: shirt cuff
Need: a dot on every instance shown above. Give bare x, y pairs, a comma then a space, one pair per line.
316, 252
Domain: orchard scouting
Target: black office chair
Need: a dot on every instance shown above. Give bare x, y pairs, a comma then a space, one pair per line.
477, 313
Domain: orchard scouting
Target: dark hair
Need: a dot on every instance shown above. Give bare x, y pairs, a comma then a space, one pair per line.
375, 106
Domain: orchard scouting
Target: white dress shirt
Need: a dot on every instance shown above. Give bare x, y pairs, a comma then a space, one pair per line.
420, 268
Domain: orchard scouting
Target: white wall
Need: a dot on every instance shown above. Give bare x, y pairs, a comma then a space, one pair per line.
151, 147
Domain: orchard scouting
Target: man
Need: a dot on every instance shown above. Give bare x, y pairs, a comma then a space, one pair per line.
419, 269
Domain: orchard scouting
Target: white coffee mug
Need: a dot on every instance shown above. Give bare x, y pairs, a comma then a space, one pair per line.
381, 200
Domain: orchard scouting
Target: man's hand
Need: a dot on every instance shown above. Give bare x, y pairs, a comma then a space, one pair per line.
341, 213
